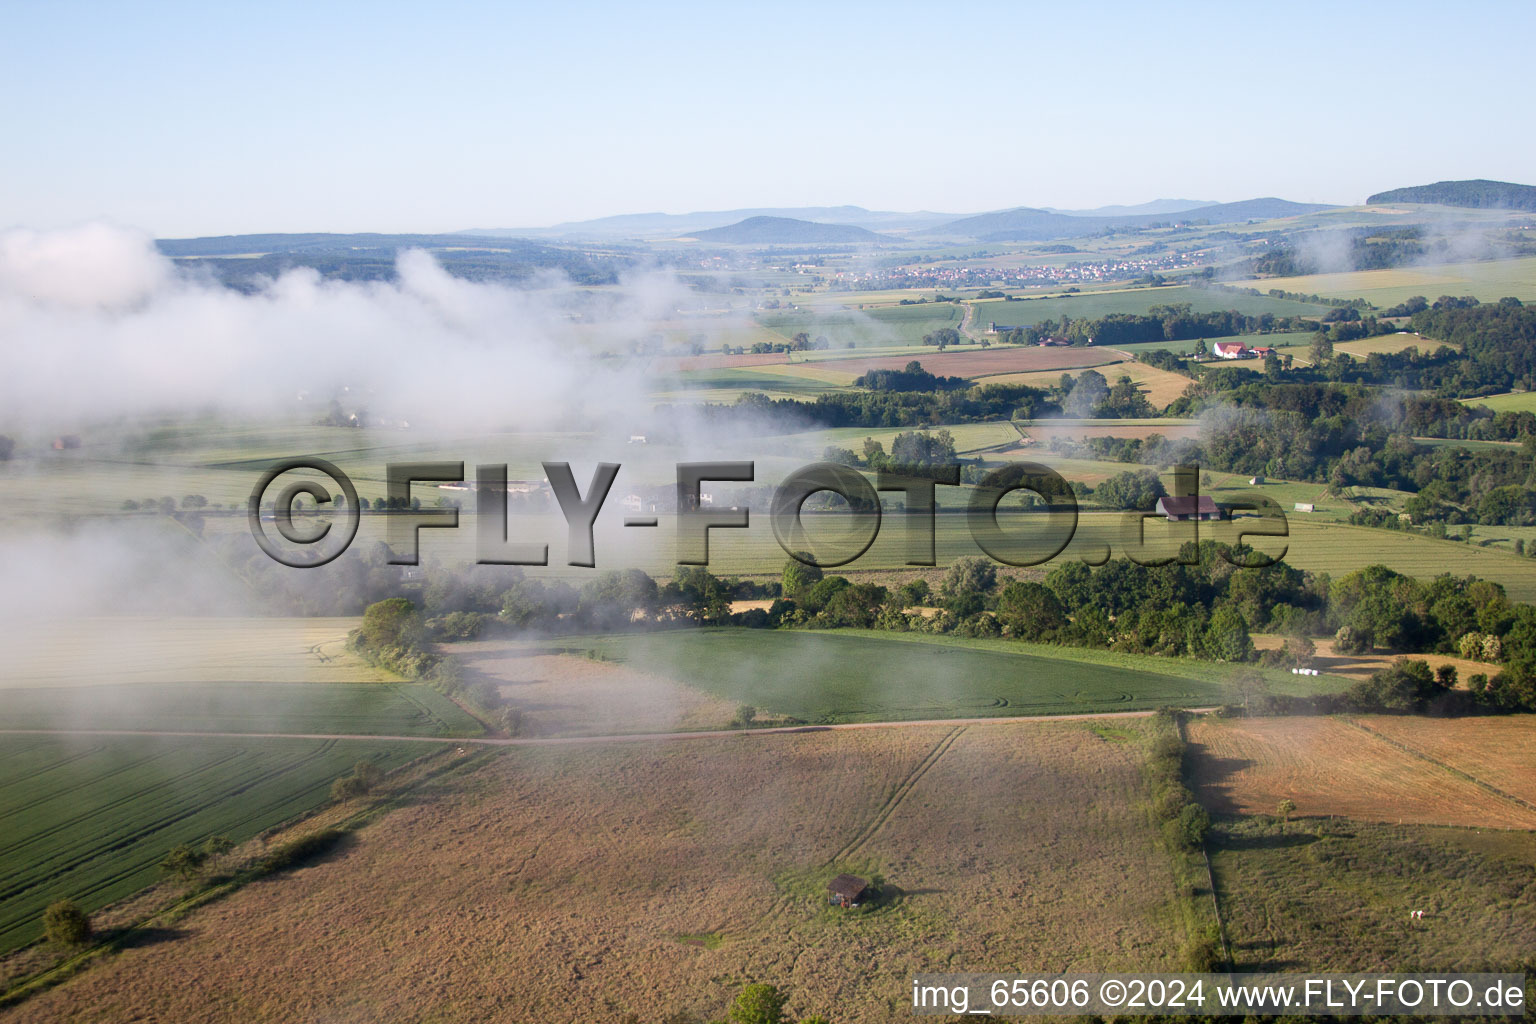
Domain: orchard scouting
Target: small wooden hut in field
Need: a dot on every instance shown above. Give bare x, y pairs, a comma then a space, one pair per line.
846, 890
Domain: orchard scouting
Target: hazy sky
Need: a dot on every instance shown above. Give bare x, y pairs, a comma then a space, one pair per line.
211, 118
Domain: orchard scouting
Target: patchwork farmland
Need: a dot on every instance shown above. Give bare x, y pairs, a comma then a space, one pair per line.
653, 878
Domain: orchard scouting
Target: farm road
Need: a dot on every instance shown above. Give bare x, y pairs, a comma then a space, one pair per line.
545, 741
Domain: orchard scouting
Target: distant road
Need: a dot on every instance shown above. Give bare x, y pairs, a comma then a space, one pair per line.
550, 741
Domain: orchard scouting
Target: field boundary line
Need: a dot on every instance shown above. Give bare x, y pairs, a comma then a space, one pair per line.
1405, 748
1205, 853
629, 737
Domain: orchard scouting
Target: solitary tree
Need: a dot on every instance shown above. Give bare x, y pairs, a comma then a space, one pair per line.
183, 861
65, 924
1286, 808
759, 1004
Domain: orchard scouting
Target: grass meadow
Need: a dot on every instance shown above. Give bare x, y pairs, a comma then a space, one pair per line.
1517, 401
1488, 281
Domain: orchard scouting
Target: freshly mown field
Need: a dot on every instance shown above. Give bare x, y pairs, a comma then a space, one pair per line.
1336, 766
1160, 386
1338, 896
1517, 401
590, 882
835, 677
89, 818
96, 650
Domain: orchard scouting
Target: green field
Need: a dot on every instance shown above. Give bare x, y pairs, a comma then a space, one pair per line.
1282, 339
90, 818
1133, 300
859, 676
1517, 401
875, 327
378, 709
1488, 281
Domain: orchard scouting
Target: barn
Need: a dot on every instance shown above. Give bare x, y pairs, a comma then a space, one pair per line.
1183, 509
846, 890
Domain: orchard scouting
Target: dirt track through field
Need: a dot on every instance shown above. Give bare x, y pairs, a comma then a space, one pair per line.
905, 786
549, 741
1422, 756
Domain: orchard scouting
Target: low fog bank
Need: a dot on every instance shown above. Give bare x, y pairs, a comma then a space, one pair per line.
96, 323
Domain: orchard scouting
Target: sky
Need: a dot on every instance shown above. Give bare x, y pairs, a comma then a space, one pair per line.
202, 119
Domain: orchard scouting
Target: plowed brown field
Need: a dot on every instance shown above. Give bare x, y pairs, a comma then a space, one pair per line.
980, 362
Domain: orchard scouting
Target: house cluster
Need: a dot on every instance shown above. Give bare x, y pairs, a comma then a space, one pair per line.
1237, 350
1050, 342
1086, 272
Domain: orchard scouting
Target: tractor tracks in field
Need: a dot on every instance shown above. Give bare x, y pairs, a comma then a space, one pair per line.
790, 895
1486, 787
899, 794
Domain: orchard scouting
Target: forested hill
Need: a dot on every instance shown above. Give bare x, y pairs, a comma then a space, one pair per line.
1478, 194
776, 230
1026, 224
245, 261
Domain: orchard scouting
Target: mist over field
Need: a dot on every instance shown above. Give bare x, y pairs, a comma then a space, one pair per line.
1213, 652
96, 323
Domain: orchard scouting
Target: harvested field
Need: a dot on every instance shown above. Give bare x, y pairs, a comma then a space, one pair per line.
1041, 431
1387, 343
1160, 386
1362, 666
1498, 749
571, 695
130, 649
585, 883
1330, 767
979, 362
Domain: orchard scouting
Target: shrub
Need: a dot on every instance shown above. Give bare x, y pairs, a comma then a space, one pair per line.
65, 924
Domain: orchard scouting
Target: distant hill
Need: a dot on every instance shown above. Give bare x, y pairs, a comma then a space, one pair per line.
1030, 225
1477, 194
676, 225
1155, 206
787, 230
245, 261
